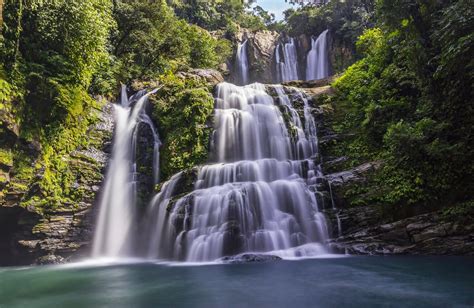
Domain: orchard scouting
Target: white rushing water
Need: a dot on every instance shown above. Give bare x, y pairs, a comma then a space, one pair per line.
333, 204
259, 195
286, 60
317, 60
118, 200
242, 63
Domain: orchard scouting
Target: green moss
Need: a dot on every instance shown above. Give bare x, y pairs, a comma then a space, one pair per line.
6, 157
463, 212
183, 109
5, 92
58, 171
23, 168
47, 178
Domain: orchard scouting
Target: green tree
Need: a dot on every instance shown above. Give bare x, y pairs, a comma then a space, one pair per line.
151, 40
51, 51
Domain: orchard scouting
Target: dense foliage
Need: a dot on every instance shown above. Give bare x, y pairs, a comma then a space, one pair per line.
347, 19
55, 56
224, 14
408, 104
50, 50
151, 40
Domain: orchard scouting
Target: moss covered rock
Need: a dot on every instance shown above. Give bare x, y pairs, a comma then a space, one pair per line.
183, 108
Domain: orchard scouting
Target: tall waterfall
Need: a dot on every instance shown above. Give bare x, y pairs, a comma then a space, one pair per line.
260, 194
286, 60
318, 58
242, 63
117, 207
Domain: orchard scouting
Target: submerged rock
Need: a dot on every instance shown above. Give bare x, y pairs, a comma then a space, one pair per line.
250, 258
50, 259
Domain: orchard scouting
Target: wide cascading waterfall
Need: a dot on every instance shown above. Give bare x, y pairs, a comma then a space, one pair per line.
260, 195
318, 58
286, 61
242, 63
117, 206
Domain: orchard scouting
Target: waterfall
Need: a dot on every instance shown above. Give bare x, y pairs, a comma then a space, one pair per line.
117, 205
260, 194
286, 64
338, 219
318, 58
242, 63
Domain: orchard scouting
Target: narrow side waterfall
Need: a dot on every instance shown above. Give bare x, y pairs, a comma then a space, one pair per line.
260, 194
333, 204
286, 61
318, 58
117, 207
242, 63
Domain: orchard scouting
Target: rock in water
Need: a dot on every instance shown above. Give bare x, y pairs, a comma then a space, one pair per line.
250, 258
50, 259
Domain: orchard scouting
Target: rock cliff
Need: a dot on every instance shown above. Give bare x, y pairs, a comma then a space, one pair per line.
366, 232
261, 54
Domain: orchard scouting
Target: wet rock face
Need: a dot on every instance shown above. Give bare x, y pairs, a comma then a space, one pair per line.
364, 232
27, 236
55, 235
145, 176
14, 221
356, 174
62, 233
261, 51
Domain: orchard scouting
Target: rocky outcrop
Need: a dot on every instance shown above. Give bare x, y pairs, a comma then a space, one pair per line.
366, 232
212, 77
54, 234
356, 174
57, 234
313, 86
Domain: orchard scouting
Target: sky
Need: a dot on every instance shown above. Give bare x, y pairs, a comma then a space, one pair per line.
276, 7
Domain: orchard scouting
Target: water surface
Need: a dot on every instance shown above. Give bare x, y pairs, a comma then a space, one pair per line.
339, 282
